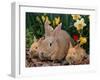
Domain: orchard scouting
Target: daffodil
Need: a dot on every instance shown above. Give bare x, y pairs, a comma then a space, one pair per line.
38, 19
79, 24
43, 18
57, 20
47, 19
76, 16
82, 40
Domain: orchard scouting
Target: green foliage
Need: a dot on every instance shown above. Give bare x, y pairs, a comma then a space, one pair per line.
29, 38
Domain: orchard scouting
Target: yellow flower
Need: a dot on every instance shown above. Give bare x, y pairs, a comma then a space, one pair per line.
76, 16
79, 24
47, 19
82, 40
57, 20
43, 18
38, 19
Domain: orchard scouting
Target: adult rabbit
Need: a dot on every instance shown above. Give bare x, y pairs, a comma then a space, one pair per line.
55, 45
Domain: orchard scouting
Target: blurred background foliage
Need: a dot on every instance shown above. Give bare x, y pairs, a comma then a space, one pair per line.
35, 26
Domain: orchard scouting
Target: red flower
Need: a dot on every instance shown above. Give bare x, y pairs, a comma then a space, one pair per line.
75, 37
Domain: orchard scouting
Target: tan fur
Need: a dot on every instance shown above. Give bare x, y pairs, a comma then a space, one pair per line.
62, 46
75, 55
58, 40
33, 49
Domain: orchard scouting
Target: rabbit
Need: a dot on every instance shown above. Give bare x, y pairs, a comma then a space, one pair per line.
54, 46
33, 49
76, 55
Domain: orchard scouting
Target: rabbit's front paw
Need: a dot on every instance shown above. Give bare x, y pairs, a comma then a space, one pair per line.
53, 57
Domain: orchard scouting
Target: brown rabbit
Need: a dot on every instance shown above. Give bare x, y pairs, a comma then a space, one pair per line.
54, 46
76, 55
33, 49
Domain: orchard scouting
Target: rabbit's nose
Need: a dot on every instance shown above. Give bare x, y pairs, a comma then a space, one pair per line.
70, 58
41, 53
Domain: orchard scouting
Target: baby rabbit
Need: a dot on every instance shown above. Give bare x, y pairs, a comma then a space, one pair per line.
76, 55
54, 46
33, 49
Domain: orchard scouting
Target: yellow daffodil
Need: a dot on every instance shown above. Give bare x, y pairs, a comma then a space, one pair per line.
82, 40
43, 18
57, 20
79, 24
47, 19
38, 19
76, 16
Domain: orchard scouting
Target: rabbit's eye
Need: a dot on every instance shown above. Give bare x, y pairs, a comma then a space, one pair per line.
50, 44
73, 53
36, 47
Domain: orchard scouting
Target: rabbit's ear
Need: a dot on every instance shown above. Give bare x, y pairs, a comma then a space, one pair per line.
48, 28
77, 46
57, 29
35, 40
41, 39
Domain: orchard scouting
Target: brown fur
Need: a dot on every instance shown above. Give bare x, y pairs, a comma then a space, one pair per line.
33, 49
76, 55
58, 40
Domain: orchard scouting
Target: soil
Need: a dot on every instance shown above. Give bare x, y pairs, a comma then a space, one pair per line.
36, 62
